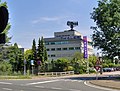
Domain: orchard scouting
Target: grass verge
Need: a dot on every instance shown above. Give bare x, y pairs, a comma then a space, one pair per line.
15, 77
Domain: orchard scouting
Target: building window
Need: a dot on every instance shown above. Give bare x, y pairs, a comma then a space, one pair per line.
52, 49
48, 49
77, 48
71, 48
46, 43
52, 43
48, 55
64, 48
58, 49
52, 55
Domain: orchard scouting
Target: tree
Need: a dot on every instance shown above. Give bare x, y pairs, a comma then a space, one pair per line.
78, 63
92, 60
16, 58
42, 53
106, 34
61, 64
28, 57
34, 51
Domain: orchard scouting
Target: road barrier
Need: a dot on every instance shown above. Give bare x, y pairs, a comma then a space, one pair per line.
57, 73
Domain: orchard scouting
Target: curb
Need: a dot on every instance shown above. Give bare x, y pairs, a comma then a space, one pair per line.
105, 86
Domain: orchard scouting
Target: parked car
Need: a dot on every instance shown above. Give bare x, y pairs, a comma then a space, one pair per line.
108, 69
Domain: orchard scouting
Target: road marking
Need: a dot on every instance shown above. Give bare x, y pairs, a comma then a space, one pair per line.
98, 87
7, 89
40, 86
71, 80
5, 83
55, 88
74, 90
34, 83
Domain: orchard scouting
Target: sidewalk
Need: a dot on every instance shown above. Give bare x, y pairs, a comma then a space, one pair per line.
108, 83
114, 84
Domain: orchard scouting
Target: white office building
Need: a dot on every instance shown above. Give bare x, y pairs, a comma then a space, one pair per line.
65, 44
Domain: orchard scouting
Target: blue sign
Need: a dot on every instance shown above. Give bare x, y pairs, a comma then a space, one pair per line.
85, 47
32, 62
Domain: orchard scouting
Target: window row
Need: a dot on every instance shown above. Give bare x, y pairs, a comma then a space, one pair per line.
56, 43
65, 48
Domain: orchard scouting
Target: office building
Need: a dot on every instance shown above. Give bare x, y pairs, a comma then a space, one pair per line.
65, 44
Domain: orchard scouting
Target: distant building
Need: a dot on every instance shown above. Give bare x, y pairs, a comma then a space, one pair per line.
65, 44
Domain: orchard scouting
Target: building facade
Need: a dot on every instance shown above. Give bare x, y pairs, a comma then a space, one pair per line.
65, 44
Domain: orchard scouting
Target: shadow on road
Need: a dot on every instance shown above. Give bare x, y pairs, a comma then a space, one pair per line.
94, 78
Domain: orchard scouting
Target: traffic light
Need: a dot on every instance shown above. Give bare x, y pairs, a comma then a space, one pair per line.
2, 38
3, 23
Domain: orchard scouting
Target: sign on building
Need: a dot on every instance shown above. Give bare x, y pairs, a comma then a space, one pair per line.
85, 47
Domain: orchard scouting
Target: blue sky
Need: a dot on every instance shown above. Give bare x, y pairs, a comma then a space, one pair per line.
31, 19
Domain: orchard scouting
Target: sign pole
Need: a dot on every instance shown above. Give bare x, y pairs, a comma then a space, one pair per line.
32, 64
25, 67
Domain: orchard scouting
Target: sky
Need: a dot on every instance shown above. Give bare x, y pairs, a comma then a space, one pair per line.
31, 19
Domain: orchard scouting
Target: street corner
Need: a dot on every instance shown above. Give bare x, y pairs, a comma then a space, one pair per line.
112, 84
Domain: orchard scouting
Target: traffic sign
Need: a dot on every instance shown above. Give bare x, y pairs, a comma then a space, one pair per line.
3, 18
32, 62
97, 67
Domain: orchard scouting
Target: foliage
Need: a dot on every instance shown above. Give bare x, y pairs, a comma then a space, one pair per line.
92, 60
15, 77
60, 65
107, 29
5, 68
34, 52
16, 58
78, 62
28, 58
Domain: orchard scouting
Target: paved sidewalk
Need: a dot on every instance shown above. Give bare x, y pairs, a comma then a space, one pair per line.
108, 82
114, 84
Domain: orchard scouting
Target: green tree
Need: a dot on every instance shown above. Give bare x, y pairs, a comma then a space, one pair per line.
78, 63
5, 68
92, 60
42, 54
28, 57
106, 34
42, 49
34, 51
61, 64
16, 58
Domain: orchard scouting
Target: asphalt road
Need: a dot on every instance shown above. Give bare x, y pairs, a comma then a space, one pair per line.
64, 84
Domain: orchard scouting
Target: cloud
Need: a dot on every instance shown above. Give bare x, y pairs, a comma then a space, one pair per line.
46, 19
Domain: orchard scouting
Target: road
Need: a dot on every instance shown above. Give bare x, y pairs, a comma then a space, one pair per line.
53, 84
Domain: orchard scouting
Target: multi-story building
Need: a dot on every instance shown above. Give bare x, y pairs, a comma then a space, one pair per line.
65, 44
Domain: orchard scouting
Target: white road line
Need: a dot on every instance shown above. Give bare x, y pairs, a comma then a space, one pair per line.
7, 89
34, 83
74, 90
5, 83
98, 87
40, 86
55, 88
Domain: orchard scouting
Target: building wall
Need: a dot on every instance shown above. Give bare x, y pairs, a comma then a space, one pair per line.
65, 44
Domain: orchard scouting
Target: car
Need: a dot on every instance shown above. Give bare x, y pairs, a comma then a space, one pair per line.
108, 69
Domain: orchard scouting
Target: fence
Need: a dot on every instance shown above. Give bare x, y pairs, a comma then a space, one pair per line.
57, 73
